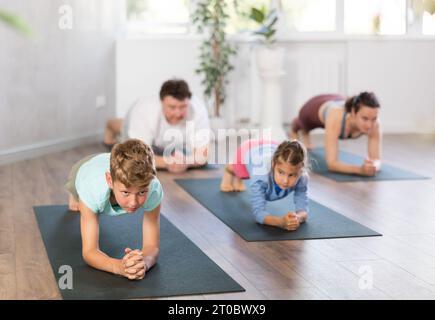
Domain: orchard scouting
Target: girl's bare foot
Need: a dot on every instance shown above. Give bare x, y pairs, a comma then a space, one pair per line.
73, 204
227, 180
238, 185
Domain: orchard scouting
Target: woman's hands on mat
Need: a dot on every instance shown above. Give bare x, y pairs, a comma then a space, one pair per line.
134, 267
369, 168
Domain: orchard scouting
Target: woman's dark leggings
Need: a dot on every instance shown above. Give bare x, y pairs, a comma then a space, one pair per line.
308, 118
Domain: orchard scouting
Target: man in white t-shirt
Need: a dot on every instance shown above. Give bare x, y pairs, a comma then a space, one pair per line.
175, 124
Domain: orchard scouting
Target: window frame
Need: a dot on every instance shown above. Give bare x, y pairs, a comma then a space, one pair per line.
414, 30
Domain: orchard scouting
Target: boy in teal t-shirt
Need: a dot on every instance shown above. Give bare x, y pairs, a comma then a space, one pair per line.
121, 182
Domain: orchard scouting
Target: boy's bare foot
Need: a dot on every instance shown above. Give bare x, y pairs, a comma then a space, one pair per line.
238, 185
73, 204
227, 180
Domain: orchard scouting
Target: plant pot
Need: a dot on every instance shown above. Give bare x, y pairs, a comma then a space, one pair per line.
270, 61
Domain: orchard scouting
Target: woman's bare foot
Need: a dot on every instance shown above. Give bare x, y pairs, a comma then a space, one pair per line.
73, 204
293, 135
227, 180
307, 140
238, 185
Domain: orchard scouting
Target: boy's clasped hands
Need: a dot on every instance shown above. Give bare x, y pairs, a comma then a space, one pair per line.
134, 264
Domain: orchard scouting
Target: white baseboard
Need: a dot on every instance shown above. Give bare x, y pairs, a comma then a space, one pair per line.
49, 146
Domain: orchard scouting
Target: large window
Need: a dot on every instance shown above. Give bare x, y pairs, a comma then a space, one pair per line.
158, 16
310, 15
354, 17
428, 23
238, 11
386, 17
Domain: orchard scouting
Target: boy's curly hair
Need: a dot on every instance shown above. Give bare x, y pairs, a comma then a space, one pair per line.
132, 163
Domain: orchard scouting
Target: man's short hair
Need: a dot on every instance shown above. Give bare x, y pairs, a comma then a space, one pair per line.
177, 88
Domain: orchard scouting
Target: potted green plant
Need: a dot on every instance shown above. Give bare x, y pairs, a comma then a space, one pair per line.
210, 18
266, 19
270, 57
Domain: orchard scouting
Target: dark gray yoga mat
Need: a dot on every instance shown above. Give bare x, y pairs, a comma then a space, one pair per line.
387, 172
234, 210
182, 268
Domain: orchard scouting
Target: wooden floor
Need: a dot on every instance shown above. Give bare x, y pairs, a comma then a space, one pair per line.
402, 262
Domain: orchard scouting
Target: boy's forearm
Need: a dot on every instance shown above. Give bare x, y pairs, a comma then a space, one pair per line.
150, 255
101, 261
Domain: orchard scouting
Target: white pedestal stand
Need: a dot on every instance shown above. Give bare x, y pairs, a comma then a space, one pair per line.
270, 62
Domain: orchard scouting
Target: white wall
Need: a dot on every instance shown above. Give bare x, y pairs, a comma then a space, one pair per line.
400, 71
142, 66
49, 83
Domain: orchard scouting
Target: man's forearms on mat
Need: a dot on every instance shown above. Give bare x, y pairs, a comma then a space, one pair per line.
193, 163
199, 158
190, 161
160, 162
